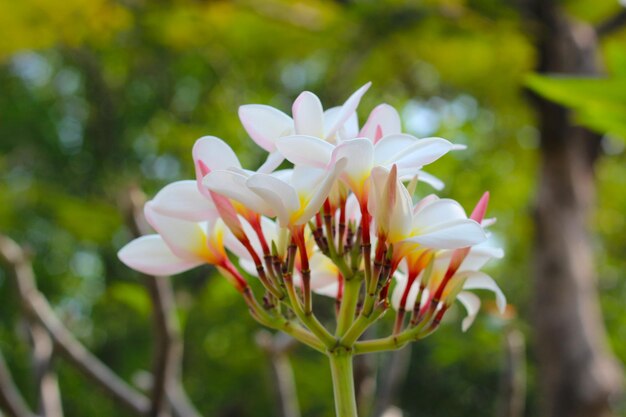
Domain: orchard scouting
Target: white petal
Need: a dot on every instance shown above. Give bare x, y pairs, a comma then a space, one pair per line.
427, 178
479, 255
323, 271
409, 152
232, 185
385, 117
424, 152
186, 239
181, 199
305, 150
308, 115
350, 129
331, 291
272, 162
305, 178
348, 109
215, 153
320, 193
451, 235
480, 281
438, 212
265, 124
276, 194
472, 304
359, 155
151, 255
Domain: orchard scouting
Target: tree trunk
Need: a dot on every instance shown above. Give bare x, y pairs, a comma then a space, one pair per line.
578, 375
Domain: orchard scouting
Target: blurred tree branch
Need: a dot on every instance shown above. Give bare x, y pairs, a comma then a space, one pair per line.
37, 308
277, 347
10, 398
167, 361
612, 24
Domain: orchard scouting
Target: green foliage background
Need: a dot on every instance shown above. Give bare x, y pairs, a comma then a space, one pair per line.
100, 95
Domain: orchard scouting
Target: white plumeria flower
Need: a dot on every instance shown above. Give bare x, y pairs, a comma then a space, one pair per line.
383, 121
179, 245
407, 152
265, 124
293, 200
469, 271
432, 223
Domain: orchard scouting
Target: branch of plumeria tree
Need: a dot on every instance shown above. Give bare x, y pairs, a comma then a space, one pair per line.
342, 223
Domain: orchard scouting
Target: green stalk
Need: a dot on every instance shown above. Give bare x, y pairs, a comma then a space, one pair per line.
349, 300
343, 384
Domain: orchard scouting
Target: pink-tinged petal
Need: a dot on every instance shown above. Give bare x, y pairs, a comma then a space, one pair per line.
383, 117
152, 256
232, 184
275, 193
451, 235
479, 256
233, 245
181, 199
211, 153
347, 110
320, 194
477, 280
479, 211
359, 155
308, 115
472, 304
272, 162
186, 239
265, 124
305, 150
409, 152
390, 207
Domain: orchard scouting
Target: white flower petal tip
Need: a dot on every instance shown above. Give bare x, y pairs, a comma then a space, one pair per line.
471, 302
305, 150
152, 256
308, 115
458, 147
383, 120
182, 200
477, 280
214, 153
265, 124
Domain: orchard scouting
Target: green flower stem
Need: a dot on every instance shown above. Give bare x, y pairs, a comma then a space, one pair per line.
359, 326
299, 333
309, 320
384, 344
337, 258
280, 323
393, 342
349, 300
343, 384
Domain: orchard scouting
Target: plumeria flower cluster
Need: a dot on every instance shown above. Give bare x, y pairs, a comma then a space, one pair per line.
342, 222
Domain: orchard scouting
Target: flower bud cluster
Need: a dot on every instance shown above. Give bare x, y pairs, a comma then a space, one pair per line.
342, 222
